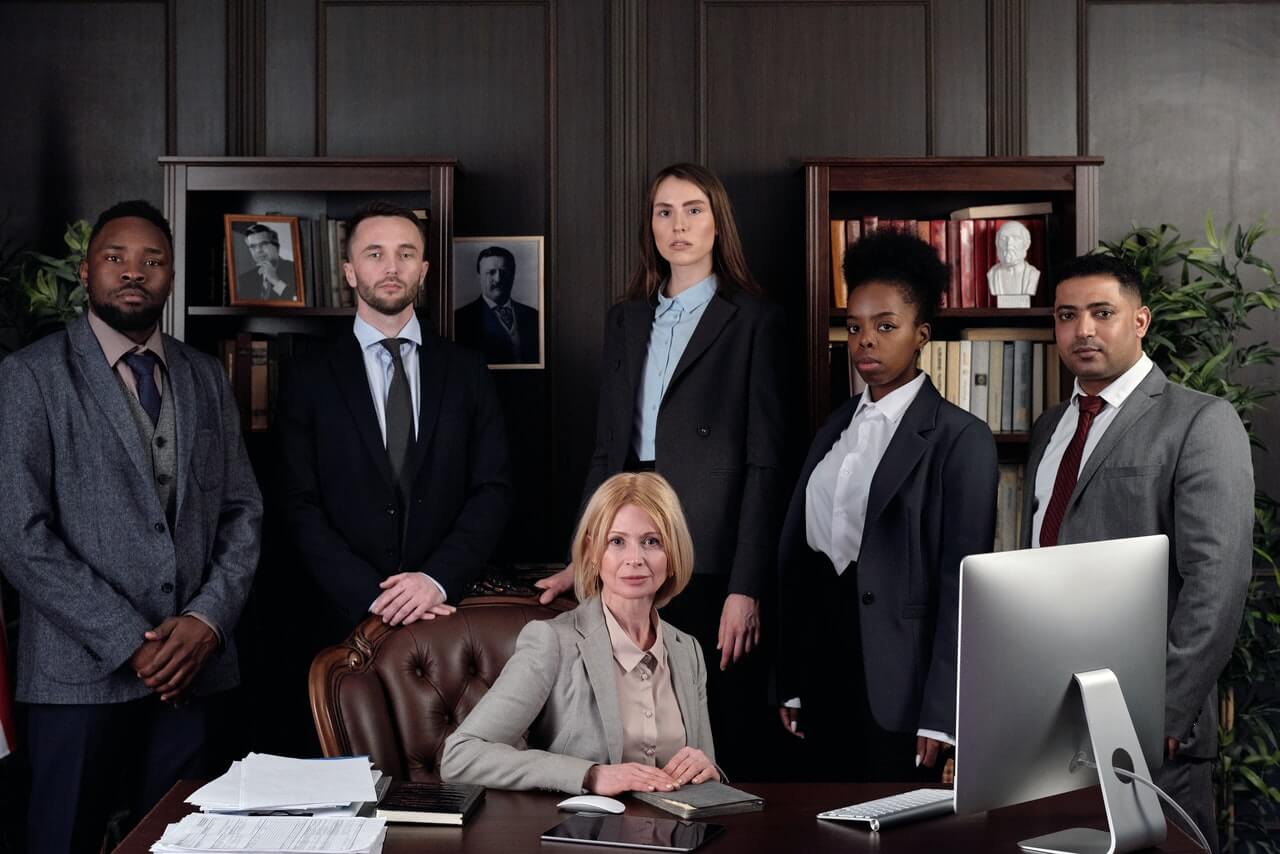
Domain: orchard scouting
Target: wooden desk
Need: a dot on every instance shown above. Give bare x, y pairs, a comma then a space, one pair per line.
511, 822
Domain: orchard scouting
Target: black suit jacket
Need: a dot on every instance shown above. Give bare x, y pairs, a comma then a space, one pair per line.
250, 284
932, 501
720, 430
475, 325
338, 499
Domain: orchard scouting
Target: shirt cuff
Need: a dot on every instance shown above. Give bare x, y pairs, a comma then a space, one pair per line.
793, 703
210, 623
937, 736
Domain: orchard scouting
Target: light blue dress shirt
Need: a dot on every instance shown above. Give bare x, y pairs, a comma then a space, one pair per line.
674, 321
378, 366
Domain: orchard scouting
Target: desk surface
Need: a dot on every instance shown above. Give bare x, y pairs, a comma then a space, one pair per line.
511, 822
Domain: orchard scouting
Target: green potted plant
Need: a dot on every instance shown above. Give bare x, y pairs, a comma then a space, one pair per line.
38, 292
1201, 298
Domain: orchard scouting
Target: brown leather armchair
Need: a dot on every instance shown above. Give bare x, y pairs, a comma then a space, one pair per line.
397, 693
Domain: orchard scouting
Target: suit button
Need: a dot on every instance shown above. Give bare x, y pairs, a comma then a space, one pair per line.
159, 526
162, 479
390, 552
704, 432
617, 365
868, 598
418, 500
391, 510
166, 588
159, 441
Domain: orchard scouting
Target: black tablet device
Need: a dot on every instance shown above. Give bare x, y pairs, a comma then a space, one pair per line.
624, 831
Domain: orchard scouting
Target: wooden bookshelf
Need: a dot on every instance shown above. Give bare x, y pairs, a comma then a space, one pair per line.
930, 188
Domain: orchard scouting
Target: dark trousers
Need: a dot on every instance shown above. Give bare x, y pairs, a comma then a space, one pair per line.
89, 760
1190, 783
744, 725
843, 741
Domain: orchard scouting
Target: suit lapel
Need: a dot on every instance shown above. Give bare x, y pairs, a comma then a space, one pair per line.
681, 664
105, 386
715, 317
637, 326
597, 656
905, 450
432, 367
183, 387
793, 529
353, 384
1035, 455
1141, 400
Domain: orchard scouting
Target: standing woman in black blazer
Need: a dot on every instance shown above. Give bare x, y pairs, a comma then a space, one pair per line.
898, 487
691, 388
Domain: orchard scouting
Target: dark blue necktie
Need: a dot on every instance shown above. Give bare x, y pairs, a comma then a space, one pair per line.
143, 366
506, 315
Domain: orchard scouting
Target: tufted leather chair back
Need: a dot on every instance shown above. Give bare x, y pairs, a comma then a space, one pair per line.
397, 693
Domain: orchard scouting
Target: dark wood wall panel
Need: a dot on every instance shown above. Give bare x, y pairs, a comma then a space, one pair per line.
200, 59
86, 113
1051, 57
1183, 103
781, 80
959, 63
469, 80
290, 77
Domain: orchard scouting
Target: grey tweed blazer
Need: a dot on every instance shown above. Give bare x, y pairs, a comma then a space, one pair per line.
83, 536
559, 688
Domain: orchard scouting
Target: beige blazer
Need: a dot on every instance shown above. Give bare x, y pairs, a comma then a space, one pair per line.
558, 693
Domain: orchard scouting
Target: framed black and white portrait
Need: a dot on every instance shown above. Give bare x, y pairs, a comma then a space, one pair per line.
498, 299
264, 260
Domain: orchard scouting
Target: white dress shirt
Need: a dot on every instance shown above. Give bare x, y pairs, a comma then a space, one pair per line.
835, 498
378, 367
1113, 397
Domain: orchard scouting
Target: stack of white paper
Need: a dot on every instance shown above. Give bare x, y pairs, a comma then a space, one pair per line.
265, 783
272, 835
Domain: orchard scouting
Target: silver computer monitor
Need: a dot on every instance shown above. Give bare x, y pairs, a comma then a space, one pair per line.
1039, 631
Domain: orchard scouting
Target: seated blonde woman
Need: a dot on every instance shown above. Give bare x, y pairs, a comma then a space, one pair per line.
612, 698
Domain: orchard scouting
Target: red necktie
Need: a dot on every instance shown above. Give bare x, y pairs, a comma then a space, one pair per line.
1069, 470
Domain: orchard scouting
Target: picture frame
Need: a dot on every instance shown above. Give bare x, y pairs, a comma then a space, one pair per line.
264, 260
482, 288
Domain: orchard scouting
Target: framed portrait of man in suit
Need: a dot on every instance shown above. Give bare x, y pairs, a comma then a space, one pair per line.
264, 260
498, 299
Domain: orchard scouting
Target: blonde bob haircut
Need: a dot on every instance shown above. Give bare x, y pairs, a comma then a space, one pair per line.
652, 494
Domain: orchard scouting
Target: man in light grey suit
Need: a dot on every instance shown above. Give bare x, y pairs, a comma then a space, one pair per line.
130, 531
1131, 454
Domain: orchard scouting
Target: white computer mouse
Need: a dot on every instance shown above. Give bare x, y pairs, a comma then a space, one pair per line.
592, 803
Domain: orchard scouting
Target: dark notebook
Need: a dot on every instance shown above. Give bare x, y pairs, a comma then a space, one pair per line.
429, 803
702, 800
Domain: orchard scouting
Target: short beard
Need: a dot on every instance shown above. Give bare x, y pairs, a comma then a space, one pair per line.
389, 307
136, 320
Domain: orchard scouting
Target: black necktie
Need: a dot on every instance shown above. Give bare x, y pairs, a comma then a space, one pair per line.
506, 315
399, 411
143, 366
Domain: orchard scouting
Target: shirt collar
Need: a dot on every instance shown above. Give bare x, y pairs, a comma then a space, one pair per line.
370, 337
690, 299
1122, 386
894, 404
493, 305
115, 344
625, 650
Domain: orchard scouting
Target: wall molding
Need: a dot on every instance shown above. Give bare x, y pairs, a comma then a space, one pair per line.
1006, 78
628, 112
246, 77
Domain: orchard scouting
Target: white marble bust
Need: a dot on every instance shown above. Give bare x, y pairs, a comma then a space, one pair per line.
1013, 281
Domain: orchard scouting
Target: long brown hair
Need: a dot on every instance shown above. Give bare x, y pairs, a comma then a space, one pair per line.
727, 260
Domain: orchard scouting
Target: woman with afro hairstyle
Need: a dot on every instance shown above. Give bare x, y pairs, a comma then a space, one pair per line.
898, 486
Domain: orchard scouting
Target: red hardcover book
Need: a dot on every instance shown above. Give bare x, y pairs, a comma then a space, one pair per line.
937, 238
952, 230
983, 250
966, 264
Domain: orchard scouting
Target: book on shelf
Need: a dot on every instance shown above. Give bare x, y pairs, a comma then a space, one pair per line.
253, 364
703, 800
838, 244
413, 802
1013, 210
1006, 383
1009, 495
1006, 333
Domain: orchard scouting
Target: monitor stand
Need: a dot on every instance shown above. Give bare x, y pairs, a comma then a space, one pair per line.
1134, 818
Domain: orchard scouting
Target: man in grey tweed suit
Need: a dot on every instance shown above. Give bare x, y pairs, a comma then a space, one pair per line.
1129, 454
130, 530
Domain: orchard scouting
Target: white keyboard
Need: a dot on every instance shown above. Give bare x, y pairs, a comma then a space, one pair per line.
896, 809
